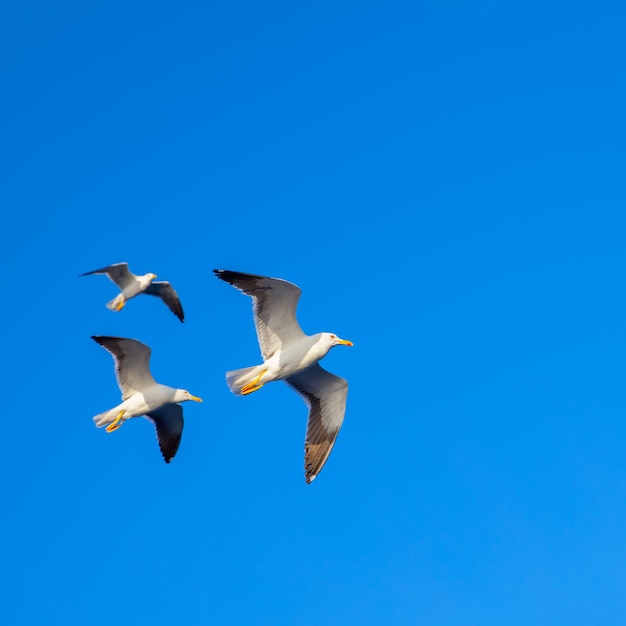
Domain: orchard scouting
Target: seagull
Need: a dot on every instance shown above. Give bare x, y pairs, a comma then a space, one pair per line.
290, 355
132, 285
142, 395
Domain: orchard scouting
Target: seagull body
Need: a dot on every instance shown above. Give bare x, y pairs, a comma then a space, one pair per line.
142, 395
281, 365
132, 285
292, 356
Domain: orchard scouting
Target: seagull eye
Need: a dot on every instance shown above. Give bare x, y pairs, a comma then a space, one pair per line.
332, 336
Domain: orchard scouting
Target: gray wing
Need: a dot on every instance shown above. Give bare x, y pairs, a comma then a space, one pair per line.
325, 394
168, 421
118, 273
132, 363
166, 292
274, 308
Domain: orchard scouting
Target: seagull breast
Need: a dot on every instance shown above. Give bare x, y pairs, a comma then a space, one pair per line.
299, 356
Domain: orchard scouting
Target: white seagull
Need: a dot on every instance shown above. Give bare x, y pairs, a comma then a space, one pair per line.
142, 395
292, 356
132, 285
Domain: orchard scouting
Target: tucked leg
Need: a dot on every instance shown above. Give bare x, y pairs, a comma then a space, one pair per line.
253, 386
121, 303
114, 425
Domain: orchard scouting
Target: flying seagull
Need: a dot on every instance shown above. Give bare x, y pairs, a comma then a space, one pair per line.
132, 285
290, 355
142, 395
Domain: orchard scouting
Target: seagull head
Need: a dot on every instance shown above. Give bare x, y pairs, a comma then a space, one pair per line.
335, 340
182, 395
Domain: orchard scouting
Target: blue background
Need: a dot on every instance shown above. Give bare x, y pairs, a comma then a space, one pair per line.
445, 182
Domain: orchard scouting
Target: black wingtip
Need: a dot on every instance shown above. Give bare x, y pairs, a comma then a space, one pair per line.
168, 448
229, 275
104, 339
100, 340
222, 274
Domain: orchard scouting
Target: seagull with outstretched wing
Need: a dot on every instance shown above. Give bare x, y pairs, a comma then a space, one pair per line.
132, 285
291, 355
142, 395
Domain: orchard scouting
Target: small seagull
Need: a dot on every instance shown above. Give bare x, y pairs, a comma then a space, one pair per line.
292, 356
142, 395
132, 285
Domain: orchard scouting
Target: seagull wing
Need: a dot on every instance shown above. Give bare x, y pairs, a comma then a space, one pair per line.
118, 273
168, 421
325, 394
166, 292
132, 364
274, 308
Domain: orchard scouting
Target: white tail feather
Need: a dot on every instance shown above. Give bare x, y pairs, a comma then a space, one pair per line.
236, 379
114, 304
102, 419
108, 417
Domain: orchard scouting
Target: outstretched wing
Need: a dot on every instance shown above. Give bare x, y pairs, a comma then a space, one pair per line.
325, 394
132, 363
166, 292
274, 308
168, 421
118, 273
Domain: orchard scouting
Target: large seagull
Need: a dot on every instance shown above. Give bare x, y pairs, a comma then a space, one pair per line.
290, 355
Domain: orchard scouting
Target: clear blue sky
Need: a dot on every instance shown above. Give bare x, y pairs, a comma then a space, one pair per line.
445, 182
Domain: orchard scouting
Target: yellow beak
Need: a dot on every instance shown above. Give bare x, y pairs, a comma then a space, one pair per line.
194, 398
345, 342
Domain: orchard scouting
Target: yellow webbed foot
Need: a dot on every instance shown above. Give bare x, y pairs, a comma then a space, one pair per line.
246, 389
113, 426
121, 304
253, 386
